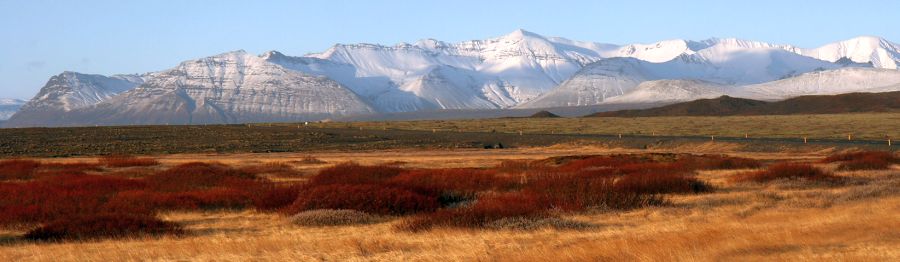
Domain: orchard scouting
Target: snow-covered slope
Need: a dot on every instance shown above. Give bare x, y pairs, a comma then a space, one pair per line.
865, 49
724, 63
527, 64
670, 91
517, 70
227, 88
831, 82
8, 107
71, 90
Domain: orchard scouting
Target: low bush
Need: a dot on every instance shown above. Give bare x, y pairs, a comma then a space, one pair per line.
660, 183
49, 199
882, 155
714, 162
197, 175
785, 171
18, 169
484, 212
272, 197
587, 190
352, 173
452, 185
333, 217
127, 161
103, 226
866, 163
375, 199
142, 202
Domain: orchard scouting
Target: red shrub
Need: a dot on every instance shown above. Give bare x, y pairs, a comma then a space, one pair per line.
583, 190
374, 199
660, 182
870, 162
192, 176
459, 182
273, 197
352, 173
601, 162
18, 169
103, 226
785, 171
144, 202
725, 162
486, 210
643, 168
882, 155
147, 202
127, 161
58, 197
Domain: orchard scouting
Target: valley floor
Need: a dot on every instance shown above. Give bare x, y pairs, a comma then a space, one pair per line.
775, 221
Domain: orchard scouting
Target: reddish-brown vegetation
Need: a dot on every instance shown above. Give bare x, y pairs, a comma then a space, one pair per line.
859, 155
191, 176
58, 197
127, 161
867, 160
455, 197
785, 171
661, 182
103, 226
375, 199
352, 173
18, 169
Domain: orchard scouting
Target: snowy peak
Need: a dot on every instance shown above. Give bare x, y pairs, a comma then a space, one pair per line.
70, 90
8, 107
865, 49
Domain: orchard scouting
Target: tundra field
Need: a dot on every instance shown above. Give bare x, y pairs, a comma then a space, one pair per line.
335, 192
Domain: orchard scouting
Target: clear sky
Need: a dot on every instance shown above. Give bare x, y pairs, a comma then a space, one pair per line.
39, 38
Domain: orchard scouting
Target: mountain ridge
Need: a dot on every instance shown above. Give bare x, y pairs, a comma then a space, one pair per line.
520, 69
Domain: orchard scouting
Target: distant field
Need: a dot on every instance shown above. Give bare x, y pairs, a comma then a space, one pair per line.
766, 133
870, 126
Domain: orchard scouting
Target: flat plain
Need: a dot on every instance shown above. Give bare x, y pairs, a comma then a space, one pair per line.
846, 215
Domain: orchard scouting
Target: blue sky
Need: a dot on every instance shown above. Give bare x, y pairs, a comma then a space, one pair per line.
39, 39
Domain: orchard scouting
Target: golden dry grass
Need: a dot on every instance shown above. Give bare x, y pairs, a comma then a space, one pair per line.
774, 221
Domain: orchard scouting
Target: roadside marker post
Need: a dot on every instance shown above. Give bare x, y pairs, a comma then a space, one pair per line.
712, 138
804, 140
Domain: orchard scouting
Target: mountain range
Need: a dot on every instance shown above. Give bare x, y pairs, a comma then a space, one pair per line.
516, 71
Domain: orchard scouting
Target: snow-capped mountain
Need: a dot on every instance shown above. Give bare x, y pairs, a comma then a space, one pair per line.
726, 63
8, 107
504, 71
517, 70
670, 91
831, 82
879, 52
71, 90
232, 87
